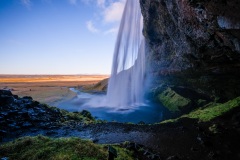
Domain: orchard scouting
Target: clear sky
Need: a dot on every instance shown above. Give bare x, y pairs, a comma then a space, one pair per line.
58, 36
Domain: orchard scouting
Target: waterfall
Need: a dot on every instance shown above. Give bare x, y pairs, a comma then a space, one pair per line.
126, 84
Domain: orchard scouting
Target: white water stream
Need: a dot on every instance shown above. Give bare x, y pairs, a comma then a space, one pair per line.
126, 84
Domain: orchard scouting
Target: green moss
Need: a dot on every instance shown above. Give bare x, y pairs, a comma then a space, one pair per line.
83, 116
123, 154
42, 148
169, 121
210, 111
173, 101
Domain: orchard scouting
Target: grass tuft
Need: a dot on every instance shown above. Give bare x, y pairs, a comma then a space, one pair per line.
42, 148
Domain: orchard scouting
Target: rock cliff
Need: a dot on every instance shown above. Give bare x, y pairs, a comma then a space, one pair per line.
194, 45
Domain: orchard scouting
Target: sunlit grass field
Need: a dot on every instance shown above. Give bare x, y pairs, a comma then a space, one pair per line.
49, 89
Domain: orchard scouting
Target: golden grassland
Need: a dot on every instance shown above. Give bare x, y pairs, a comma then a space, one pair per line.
50, 89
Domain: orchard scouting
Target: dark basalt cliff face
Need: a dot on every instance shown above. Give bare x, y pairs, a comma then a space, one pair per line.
194, 44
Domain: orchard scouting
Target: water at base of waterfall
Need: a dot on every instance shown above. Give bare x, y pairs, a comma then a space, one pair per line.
149, 113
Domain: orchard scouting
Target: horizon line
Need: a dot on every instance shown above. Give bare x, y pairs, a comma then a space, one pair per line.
90, 74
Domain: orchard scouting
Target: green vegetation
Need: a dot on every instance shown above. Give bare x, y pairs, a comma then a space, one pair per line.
173, 101
83, 116
123, 154
169, 121
210, 111
100, 86
42, 148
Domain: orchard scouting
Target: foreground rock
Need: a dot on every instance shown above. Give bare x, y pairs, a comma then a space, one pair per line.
20, 116
209, 133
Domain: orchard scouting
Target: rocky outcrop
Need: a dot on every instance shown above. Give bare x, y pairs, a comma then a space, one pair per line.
24, 115
194, 44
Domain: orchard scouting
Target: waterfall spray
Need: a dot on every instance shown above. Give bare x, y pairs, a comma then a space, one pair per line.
126, 84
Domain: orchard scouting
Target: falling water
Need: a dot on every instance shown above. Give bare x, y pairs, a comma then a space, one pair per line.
126, 85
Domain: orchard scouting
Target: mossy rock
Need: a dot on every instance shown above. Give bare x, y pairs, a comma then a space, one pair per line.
213, 111
173, 101
209, 112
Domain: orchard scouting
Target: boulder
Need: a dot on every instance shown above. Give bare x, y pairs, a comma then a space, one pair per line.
21, 115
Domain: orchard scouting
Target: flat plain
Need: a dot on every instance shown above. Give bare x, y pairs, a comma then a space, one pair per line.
49, 89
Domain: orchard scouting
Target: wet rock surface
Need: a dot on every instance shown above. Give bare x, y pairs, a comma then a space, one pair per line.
184, 139
194, 44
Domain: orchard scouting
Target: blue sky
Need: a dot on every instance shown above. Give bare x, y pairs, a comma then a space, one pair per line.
58, 36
